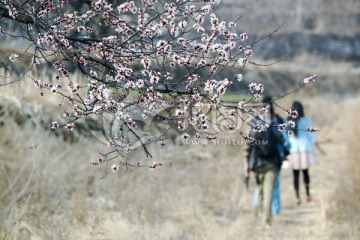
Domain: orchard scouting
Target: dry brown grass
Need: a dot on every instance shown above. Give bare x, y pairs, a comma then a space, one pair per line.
36, 182
25, 90
344, 213
49, 193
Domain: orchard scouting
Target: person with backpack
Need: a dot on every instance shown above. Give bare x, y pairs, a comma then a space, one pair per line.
264, 158
284, 151
301, 156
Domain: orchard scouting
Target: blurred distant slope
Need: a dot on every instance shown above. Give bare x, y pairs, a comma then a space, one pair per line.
332, 46
318, 37
307, 16
327, 28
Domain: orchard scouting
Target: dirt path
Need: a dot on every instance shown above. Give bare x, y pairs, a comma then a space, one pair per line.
237, 219
307, 221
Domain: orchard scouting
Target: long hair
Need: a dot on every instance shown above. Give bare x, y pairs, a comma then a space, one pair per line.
297, 106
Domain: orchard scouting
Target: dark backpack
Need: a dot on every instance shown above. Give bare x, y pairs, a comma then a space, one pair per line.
264, 148
266, 144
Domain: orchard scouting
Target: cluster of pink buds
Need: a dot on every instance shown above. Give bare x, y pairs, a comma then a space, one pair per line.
248, 139
282, 127
292, 113
54, 125
155, 165
37, 83
211, 137
291, 133
309, 80
97, 161
260, 127
115, 167
292, 124
256, 89
14, 57
69, 126
312, 129
263, 110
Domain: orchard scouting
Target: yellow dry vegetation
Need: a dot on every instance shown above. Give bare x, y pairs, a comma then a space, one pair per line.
50, 193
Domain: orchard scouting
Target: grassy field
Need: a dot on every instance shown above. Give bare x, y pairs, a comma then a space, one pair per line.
50, 193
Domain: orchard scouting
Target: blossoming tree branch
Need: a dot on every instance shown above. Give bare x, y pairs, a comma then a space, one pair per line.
145, 59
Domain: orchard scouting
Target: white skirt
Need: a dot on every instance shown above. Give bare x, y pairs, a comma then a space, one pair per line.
301, 160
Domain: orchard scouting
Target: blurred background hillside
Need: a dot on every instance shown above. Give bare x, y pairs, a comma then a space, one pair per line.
50, 193
318, 37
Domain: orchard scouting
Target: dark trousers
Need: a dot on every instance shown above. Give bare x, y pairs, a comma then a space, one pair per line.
306, 175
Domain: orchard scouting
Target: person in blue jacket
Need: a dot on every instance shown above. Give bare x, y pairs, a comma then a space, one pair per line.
301, 156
